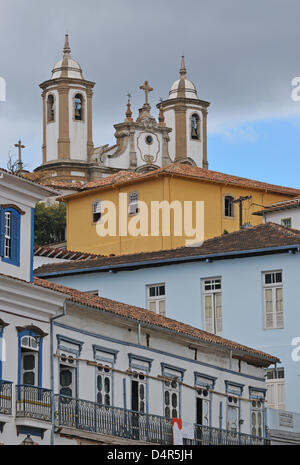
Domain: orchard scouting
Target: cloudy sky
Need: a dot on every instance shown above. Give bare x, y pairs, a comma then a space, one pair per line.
241, 54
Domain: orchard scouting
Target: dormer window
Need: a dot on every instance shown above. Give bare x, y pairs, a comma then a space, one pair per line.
78, 107
195, 126
10, 235
50, 108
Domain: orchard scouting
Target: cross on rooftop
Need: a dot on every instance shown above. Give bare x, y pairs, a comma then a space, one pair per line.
20, 147
146, 88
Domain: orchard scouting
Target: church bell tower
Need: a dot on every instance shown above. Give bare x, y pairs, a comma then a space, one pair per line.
186, 114
67, 120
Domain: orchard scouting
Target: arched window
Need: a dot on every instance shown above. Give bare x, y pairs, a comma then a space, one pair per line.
78, 107
50, 108
228, 206
195, 126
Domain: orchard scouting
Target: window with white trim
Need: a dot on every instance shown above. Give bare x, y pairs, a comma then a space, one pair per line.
286, 222
138, 391
104, 383
232, 413
7, 235
212, 303
156, 298
67, 376
202, 406
171, 398
275, 384
228, 206
97, 210
29, 360
257, 417
273, 300
133, 203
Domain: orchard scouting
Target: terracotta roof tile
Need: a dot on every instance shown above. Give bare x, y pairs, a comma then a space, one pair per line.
187, 171
264, 236
61, 253
146, 316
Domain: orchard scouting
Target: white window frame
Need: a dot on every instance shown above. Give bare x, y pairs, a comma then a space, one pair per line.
158, 301
169, 387
65, 363
104, 370
233, 405
275, 397
257, 417
133, 203
216, 325
283, 220
204, 394
7, 235
274, 319
96, 209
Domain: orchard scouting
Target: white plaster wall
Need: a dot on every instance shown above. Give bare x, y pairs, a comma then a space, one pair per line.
293, 213
194, 147
52, 129
78, 129
170, 123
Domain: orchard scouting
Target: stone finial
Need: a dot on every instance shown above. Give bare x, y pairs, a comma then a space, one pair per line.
161, 116
182, 70
67, 49
129, 112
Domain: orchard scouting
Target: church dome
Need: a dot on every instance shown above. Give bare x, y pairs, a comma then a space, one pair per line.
183, 87
67, 67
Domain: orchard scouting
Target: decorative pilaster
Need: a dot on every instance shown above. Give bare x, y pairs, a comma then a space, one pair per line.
63, 143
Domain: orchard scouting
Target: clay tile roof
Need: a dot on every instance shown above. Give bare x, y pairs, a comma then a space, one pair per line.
150, 318
187, 171
76, 186
261, 237
61, 253
284, 205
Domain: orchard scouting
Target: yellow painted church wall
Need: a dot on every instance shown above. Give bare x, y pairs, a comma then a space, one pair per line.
82, 234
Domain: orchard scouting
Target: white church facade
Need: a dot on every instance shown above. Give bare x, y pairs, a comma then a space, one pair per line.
144, 144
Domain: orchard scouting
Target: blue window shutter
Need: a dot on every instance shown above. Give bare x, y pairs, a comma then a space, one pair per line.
2, 227
15, 238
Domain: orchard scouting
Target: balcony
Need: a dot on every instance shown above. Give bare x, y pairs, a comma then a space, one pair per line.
5, 398
33, 402
205, 435
93, 417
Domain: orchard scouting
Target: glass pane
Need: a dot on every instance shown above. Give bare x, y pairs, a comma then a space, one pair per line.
66, 392
174, 384
167, 397
174, 413
107, 384
174, 400
99, 398
167, 412
29, 378
161, 290
28, 362
65, 377
142, 407
152, 291
142, 391
107, 399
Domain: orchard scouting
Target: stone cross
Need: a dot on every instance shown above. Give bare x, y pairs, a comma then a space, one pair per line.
146, 88
20, 147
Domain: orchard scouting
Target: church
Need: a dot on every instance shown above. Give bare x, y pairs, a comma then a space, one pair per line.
142, 145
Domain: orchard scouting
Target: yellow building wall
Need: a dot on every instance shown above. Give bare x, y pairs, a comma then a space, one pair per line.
82, 234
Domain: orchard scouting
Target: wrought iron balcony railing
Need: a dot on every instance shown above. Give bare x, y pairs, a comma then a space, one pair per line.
205, 435
5, 397
90, 416
33, 402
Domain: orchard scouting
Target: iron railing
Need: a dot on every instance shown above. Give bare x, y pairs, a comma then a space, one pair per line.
205, 435
90, 416
33, 402
5, 397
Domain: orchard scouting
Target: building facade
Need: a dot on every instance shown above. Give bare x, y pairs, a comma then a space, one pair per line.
243, 286
204, 202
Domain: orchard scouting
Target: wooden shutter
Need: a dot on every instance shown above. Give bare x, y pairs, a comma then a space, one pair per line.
218, 312
162, 307
15, 237
208, 312
269, 317
279, 307
2, 231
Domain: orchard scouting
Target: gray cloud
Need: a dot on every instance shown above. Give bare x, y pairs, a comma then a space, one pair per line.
241, 55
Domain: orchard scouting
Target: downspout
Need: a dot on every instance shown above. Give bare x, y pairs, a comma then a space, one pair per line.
139, 334
52, 371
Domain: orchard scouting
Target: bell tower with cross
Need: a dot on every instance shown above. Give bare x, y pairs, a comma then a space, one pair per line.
67, 120
186, 114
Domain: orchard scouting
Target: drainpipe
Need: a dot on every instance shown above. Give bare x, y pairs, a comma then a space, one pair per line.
230, 359
52, 371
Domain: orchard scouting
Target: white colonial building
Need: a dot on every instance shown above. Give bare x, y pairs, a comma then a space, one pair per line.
76, 368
